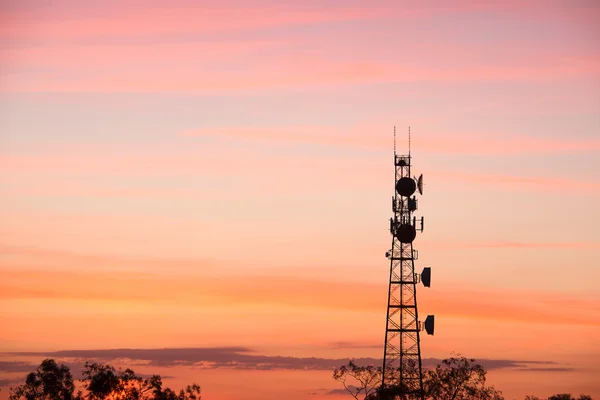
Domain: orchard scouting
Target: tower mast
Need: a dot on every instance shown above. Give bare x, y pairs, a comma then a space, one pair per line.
402, 367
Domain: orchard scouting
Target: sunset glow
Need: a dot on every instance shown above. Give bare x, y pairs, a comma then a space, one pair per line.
217, 175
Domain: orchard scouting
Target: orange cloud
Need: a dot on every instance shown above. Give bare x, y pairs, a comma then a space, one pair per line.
205, 291
68, 260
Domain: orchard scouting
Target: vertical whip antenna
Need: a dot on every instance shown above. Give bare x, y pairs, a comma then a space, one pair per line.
409, 141
394, 140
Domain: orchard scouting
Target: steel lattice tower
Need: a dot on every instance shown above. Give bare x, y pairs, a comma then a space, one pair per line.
402, 369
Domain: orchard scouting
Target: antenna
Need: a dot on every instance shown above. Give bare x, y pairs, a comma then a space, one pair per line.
394, 139
409, 141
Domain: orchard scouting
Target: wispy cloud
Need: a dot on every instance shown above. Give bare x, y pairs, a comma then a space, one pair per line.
474, 181
205, 290
279, 77
449, 244
37, 256
12, 381
15, 366
128, 22
352, 345
477, 143
122, 48
246, 358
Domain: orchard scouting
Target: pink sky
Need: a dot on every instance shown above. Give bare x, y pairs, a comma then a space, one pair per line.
219, 174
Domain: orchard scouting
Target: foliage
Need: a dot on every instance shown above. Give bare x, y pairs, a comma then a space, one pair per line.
457, 378
364, 380
49, 382
100, 381
563, 396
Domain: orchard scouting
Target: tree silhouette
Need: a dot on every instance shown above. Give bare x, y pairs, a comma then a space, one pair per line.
563, 396
456, 378
459, 378
100, 381
358, 381
49, 382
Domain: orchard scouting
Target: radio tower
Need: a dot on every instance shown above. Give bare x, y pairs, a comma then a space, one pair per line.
402, 369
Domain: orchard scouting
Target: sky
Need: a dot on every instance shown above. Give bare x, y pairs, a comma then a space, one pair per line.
217, 175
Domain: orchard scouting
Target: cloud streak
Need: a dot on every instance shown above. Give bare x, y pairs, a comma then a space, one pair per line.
280, 77
15, 366
125, 23
354, 137
244, 358
206, 290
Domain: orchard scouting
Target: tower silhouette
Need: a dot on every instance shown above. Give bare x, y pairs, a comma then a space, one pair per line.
402, 368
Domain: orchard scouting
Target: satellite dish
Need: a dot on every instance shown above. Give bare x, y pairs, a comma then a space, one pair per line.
429, 324
405, 233
406, 186
426, 276
420, 184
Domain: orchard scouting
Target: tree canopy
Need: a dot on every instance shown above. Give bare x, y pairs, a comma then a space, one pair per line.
562, 396
359, 381
459, 378
455, 378
51, 381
